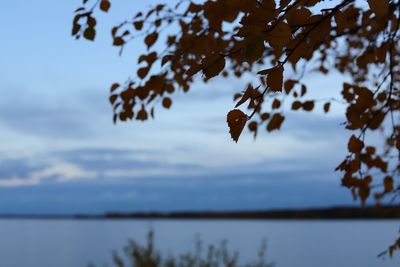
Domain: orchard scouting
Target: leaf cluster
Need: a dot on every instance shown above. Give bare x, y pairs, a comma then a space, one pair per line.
280, 42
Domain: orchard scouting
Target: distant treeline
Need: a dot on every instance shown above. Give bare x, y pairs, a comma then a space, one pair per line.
387, 212
383, 212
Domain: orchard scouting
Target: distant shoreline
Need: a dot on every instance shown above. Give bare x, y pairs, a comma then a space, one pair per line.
331, 213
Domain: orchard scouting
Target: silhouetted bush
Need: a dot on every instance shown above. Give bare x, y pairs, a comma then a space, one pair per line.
214, 256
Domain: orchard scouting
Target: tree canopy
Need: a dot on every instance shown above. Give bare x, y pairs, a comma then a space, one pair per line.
280, 41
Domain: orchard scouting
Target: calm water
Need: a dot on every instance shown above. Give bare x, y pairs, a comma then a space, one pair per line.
70, 243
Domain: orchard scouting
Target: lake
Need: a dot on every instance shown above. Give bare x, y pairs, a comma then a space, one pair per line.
296, 243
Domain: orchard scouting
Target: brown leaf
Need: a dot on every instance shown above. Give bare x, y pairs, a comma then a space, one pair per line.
105, 5
276, 104
75, 28
113, 98
114, 86
253, 48
142, 72
388, 184
327, 105
308, 105
236, 120
379, 7
89, 33
142, 114
167, 102
253, 127
288, 86
138, 25
118, 41
151, 39
355, 145
363, 193
296, 105
275, 79
264, 116
213, 65
275, 122
248, 94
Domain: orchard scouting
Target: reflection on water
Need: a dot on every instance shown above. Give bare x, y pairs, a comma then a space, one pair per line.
69, 243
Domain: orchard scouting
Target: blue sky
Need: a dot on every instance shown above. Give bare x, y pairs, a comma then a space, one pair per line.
60, 152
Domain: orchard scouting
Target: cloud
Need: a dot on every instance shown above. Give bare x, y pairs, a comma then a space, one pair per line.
59, 172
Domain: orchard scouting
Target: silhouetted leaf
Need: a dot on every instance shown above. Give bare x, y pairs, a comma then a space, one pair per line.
236, 121
308, 105
275, 122
388, 183
355, 145
138, 25
167, 102
105, 5
213, 65
151, 39
379, 7
327, 105
275, 79
89, 33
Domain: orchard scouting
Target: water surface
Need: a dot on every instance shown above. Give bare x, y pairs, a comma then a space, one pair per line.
301, 243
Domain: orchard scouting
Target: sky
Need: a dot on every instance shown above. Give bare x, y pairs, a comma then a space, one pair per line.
61, 153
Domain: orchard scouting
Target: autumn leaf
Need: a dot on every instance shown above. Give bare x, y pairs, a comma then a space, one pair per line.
113, 98
308, 105
142, 114
138, 25
275, 122
213, 65
274, 78
142, 72
326, 107
388, 183
253, 48
151, 39
236, 120
355, 145
363, 193
167, 102
276, 104
105, 5
114, 86
253, 127
248, 94
379, 7
296, 105
118, 41
89, 33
